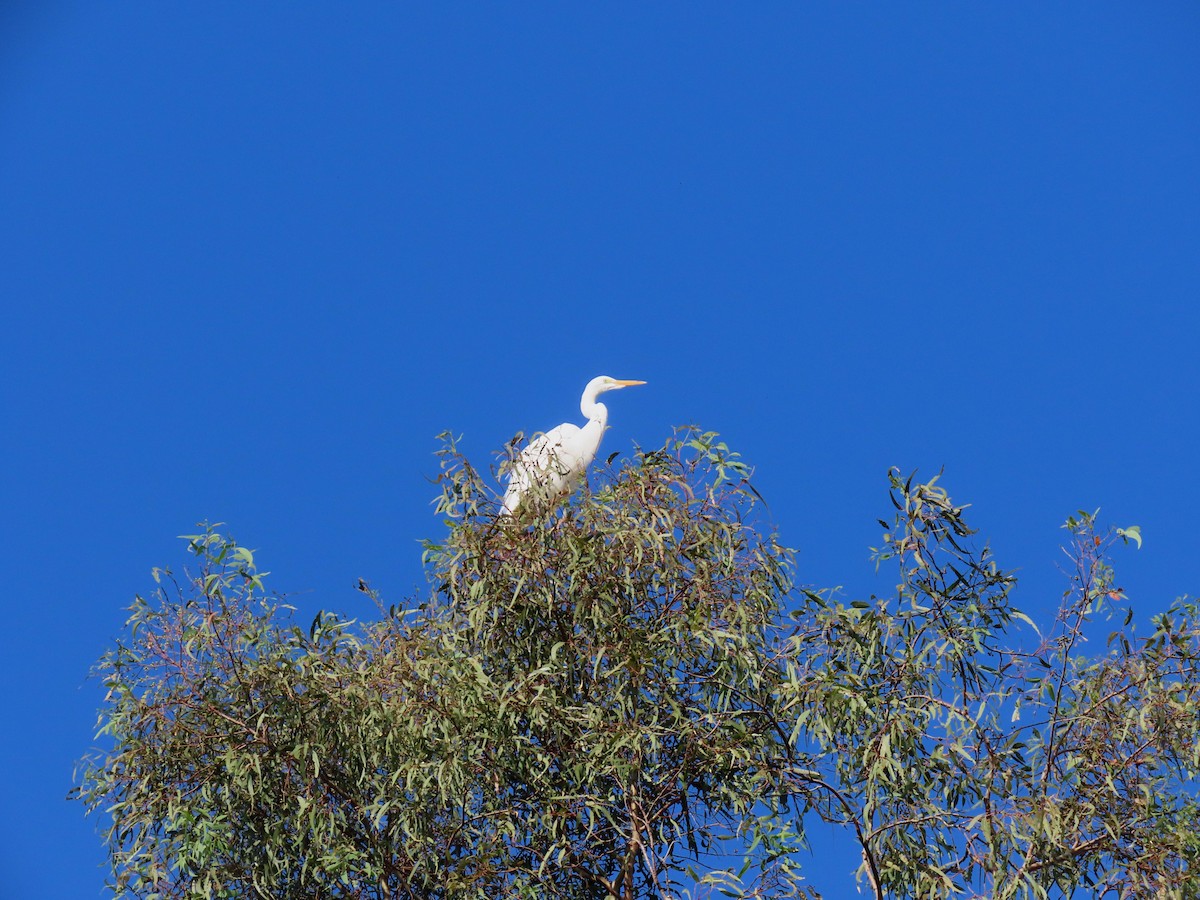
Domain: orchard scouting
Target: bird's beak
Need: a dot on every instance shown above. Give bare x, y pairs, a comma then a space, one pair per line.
628, 383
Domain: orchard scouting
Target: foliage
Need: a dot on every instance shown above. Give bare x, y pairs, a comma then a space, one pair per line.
582, 709
966, 765
628, 697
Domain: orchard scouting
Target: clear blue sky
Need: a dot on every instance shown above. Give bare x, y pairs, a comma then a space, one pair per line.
256, 256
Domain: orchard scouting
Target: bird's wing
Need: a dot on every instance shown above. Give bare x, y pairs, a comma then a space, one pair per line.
547, 462
550, 451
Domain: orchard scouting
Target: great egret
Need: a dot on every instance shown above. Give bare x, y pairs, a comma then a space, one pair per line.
554, 462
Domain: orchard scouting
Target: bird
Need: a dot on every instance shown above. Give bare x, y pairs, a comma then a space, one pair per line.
554, 462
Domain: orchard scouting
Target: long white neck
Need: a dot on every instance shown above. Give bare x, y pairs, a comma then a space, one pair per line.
594, 411
593, 431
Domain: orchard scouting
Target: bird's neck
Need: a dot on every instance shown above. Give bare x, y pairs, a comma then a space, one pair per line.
595, 412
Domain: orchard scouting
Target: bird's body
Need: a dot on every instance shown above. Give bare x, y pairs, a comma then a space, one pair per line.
554, 462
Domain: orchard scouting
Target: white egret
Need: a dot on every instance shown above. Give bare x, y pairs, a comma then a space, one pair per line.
554, 462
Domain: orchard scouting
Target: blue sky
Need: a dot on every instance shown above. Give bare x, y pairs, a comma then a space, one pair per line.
255, 257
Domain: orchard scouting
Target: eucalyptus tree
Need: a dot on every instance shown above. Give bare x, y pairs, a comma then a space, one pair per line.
630, 696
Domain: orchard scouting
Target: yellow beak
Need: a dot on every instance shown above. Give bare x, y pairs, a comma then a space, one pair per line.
628, 383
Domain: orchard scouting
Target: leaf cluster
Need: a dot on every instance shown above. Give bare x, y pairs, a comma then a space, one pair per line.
583, 707
965, 762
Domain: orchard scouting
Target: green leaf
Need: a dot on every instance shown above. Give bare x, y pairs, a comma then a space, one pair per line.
1020, 616
1132, 533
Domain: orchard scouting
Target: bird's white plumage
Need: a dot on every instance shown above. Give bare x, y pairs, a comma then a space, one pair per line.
554, 462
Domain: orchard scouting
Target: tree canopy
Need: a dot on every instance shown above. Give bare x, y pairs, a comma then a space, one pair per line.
631, 696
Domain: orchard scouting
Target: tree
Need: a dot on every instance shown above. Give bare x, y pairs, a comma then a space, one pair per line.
629, 697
